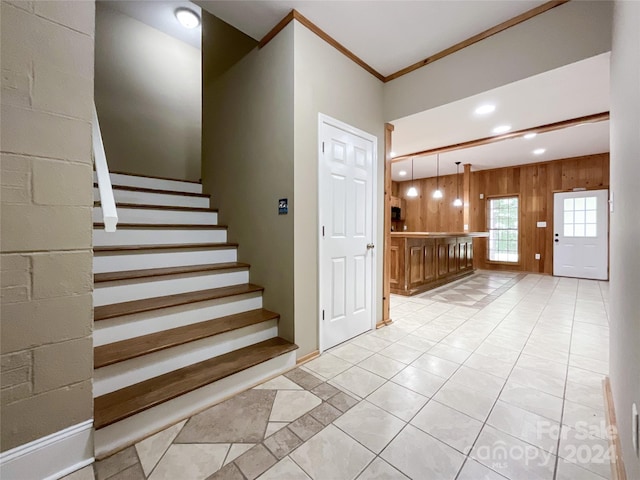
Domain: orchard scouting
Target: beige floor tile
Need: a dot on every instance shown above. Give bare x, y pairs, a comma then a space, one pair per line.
401, 353
419, 381
151, 449
279, 383
236, 450
421, 456
327, 365
465, 400
397, 400
511, 457
381, 470
473, 470
529, 427
437, 366
285, 469
370, 425
383, 366
193, 461
332, 454
532, 400
359, 381
291, 404
448, 425
351, 353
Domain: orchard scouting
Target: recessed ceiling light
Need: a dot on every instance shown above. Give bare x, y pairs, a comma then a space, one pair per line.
187, 18
529, 136
485, 109
502, 129
539, 151
402, 173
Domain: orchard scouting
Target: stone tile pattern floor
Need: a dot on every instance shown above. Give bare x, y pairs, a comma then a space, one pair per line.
447, 391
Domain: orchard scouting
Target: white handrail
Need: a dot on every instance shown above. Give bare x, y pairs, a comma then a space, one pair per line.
107, 202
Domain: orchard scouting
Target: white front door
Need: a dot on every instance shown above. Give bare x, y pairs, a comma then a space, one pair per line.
347, 213
581, 234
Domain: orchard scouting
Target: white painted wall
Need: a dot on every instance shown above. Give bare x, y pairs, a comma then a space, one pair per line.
625, 223
563, 35
326, 82
148, 94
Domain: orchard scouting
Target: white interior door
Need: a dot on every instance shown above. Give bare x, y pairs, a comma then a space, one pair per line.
581, 234
347, 215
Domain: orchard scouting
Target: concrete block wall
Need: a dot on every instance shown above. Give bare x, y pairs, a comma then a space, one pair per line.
47, 51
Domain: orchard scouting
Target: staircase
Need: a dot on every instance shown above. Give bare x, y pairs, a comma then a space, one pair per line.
177, 325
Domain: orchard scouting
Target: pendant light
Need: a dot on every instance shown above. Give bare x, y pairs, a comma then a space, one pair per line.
438, 192
413, 191
457, 202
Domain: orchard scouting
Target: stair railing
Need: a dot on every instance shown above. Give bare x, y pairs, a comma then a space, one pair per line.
107, 202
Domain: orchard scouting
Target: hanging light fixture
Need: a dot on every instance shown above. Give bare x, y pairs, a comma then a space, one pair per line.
438, 192
457, 202
413, 191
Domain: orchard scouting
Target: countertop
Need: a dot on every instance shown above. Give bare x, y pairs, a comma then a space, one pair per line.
438, 234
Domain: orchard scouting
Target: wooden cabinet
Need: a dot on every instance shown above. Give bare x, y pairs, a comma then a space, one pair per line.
418, 264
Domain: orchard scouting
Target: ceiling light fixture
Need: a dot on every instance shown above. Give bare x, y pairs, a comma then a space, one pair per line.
438, 192
402, 173
187, 17
485, 109
502, 129
539, 151
412, 192
457, 202
531, 135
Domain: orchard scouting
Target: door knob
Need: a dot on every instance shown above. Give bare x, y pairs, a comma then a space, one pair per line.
370, 246
556, 240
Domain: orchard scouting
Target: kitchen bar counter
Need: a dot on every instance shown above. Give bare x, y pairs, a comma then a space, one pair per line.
421, 261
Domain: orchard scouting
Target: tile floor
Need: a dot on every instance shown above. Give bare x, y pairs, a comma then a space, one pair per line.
456, 388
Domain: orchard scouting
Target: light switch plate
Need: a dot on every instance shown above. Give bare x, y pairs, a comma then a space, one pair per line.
541, 224
537, 256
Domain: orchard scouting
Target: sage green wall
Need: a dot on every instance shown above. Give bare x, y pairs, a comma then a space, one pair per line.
148, 89
625, 224
46, 261
248, 165
327, 82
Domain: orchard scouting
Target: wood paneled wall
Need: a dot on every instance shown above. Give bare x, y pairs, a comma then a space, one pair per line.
426, 214
535, 185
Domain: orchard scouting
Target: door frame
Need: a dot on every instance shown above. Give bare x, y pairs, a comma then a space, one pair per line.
326, 119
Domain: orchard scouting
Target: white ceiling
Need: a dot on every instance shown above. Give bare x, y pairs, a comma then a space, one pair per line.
161, 16
388, 35
568, 92
570, 142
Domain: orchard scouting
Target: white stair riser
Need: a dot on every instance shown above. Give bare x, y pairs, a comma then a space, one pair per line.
156, 236
155, 183
148, 198
126, 261
152, 216
129, 326
110, 439
127, 290
123, 374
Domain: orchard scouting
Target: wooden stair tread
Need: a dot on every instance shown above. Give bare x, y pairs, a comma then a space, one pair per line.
168, 246
160, 272
160, 207
156, 190
155, 177
137, 306
118, 405
135, 347
164, 226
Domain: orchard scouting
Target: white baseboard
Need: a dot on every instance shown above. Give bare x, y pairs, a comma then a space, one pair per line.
51, 457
